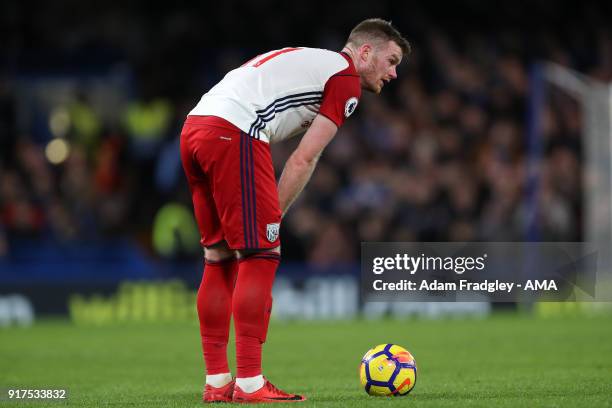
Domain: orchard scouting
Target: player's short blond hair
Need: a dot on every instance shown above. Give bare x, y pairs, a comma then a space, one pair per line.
377, 30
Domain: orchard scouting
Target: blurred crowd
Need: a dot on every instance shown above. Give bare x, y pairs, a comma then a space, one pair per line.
442, 155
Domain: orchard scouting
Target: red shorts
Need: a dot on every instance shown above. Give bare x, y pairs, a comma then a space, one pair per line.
232, 183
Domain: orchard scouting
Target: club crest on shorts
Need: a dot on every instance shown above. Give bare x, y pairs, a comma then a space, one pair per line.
272, 231
350, 106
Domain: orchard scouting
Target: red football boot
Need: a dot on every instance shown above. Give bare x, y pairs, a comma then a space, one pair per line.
219, 394
267, 393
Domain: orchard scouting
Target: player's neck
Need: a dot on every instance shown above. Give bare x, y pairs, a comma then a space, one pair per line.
350, 53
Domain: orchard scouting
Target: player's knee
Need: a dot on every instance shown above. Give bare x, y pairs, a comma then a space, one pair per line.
244, 253
218, 252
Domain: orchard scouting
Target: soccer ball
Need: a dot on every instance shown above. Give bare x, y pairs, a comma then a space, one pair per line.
388, 370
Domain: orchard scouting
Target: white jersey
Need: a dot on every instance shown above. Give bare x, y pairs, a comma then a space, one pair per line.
277, 95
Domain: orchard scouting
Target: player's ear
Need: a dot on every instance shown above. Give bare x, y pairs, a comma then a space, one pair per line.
365, 52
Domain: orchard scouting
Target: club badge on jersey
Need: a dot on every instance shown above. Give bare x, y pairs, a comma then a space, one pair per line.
350, 106
272, 231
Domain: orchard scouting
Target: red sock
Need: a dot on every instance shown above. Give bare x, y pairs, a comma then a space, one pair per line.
252, 305
214, 312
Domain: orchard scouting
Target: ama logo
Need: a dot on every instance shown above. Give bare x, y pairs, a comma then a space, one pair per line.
350, 106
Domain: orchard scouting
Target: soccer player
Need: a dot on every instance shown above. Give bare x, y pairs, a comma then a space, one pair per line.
225, 151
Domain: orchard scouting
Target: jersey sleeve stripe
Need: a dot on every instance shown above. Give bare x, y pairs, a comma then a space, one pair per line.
320, 93
274, 105
263, 118
286, 103
257, 127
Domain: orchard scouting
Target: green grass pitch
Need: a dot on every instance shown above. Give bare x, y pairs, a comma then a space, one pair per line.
503, 361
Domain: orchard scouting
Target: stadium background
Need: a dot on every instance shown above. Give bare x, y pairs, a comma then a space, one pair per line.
96, 225
92, 102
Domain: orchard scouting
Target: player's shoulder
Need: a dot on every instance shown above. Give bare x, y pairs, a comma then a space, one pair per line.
325, 58
323, 53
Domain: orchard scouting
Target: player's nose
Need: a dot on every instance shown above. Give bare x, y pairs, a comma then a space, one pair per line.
392, 73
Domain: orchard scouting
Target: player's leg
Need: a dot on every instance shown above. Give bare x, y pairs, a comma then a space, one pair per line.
220, 267
254, 232
252, 306
214, 303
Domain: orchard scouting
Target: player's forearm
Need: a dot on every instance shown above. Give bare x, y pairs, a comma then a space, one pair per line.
294, 178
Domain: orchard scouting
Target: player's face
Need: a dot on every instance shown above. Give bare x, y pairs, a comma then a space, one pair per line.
381, 66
